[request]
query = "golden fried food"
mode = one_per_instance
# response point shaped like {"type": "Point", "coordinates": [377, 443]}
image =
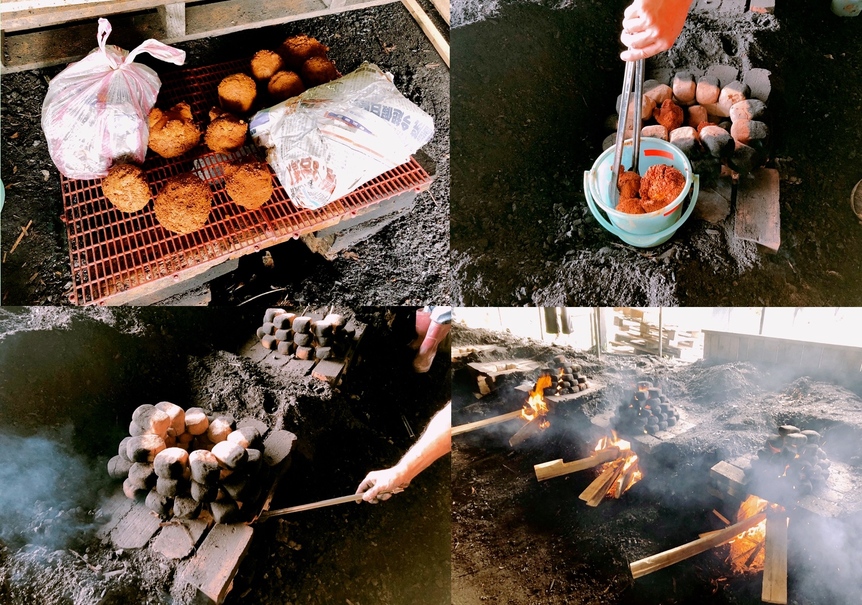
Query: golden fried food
{"type": "Point", "coordinates": [630, 205]}
{"type": "Point", "coordinates": [249, 184]}
{"type": "Point", "coordinates": [183, 204]}
{"type": "Point", "coordinates": [296, 50]}
{"type": "Point", "coordinates": [317, 71]}
{"type": "Point", "coordinates": [126, 187]}
{"type": "Point", "coordinates": [284, 85]}
{"type": "Point", "coordinates": [660, 185]}
{"type": "Point", "coordinates": [265, 63]}
{"type": "Point", "coordinates": [629, 184]}
{"type": "Point", "coordinates": [668, 115]}
{"type": "Point", "coordinates": [226, 132]}
{"type": "Point", "coordinates": [173, 132]}
{"type": "Point", "coordinates": [237, 93]}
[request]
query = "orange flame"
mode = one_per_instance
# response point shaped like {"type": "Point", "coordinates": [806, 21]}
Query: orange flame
{"type": "Point", "coordinates": [536, 405]}
{"type": "Point", "coordinates": [747, 551]}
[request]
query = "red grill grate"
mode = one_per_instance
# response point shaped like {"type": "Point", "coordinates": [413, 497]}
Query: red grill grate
{"type": "Point", "coordinates": [113, 253]}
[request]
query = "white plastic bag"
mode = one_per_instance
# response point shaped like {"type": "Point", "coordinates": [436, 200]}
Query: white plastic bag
{"type": "Point", "coordinates": [96, 109]}
{"type": "Point", "coordinates": [331, 139]}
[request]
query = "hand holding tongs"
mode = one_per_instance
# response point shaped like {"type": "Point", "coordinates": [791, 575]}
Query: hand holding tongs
{"type": "Point", "coordinates": [634, 72]}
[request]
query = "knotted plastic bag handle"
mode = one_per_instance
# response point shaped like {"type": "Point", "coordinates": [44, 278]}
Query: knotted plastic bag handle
{"type": "Point", "coordinates": [152, 47]}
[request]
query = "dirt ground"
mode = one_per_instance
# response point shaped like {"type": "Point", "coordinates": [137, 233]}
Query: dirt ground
{"type": "Point", "coordinates": [534, 83]}
{"type": "Point", "coordinates": [407, 262]}
{"type": "Point", "coordinates": [516, 541]}
{"type": "Point", "coordinates": [65, 407]}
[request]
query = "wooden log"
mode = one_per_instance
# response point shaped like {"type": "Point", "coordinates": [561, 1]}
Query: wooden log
{"type": "Point", "coordinates": [596, 490]}
{"type": "Point", "coordinates": [556, 468]}
{"type": "Point", "coordinates": [775, 560]}
{"type": "Point", "coordinates": [670, 557]}
{"type": "Point", "coordinates": [533, 427]}
{"type": "Point", "coordinates": [472, 426]}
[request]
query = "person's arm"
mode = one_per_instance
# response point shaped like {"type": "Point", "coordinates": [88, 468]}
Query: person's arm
{"type": "Point", "coordinates": [652, 26]}
{"type": "Point", "coordinates": [436, 441]}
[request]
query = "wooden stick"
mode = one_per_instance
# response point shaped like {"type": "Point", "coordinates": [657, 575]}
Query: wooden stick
{"type": "Point", "coordinates": [437, 40]}
{"type": "Point", "coordinates": [775, 561]}
{"type": "Point", "coordinates": [596, 490]}
{"type": "Point", "coordinates": [754, 552]}
{"type": "Point", "coordinates": [320, 504]}
{"type": "Point", "coordinates": [442, 7]}
{"type": "Point", "coordinates": [472, 426]}
{"type": "Point", "coordinates": [528, 430]}
{"type": "Point", "coordinates": [675, 555]}
{"type": "Point", "coordinates": [616, 470]}
{"type": "Point", "coordinates": [556, 468]}
{"type": "Point", "coordinates": [625, 480]}
{"type": "Point", "coordinates": [24, 231]}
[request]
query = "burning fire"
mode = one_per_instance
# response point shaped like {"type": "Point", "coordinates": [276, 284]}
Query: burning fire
{"type": "Point", "coordinates": [629, 472]}
{"type": "Point", "coordinates": [535, 406]}
{"type": "Point", "coordinates": [747, 549]}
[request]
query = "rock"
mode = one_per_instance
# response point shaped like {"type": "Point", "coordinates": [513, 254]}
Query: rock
{"type": "Point", "coordinates": [656, 131]}
{"type": "Point", "coordinates": [647, 107]}
{"type": "Point", "coordinates": [659, 94]}
{"type": "Point", "coordinates": [717, 140]}
{"type": "Point", "coordinates": [758, 80]}
{"type": "Point", "coordinates": [787, 429]}
{"type": "Point", "coordinates": [118, 467]}
{"type": "Point", "coordinates": [709, 169]}
{"type": "Point", "coordinates": [684, 88]}
{"type": "Point", "coordinates": [609, 141]}
{"type": "Point", "coordinates": [711, 207]}
{"type": "Point", "coordinates": [813, 437]}
{"type": "Point", "coordinates": [708, 89]}
{"type": "Point", "coordinates": [746, 131]}
{"type": "Point", "coordinates": [186, 508]}
{"type": "Point", "coordinates": [718, 110]}
{"type": "Point", "coordinates": [725, 73]}
{"type": "Point", "coordinates": [159, 504]}
{"type": "Point", "coordinates": [685, 138]}
{"type": "Point", "coordinates": [696, 115]}
{"type": "Point", "coordinates": [750, 109]}
{"type": "Point", "coordinates": [744, 158]}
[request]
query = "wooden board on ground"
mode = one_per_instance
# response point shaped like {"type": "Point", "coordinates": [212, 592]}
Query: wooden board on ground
{"type": "Point", "coordinates": [115, 508]}
{"type": "Point", "coordinates": [758, 214]}
{"type": "Point", "coordinates": [277, 446]}
{"type": "Point", "coordinates": [178, 538]}
{"type": "Point", "coordinates": [136, 528]}
{"type": "Point", "coordinates": [504, 367]}
{"type": "Point", "coordinates": [299, 367]}
{"type": "Point", "coordinates": [459, 352]}
{"type": "Point", "coordinates": [216, 562]}
{"type": "Point", "coordinates": [775, 560]}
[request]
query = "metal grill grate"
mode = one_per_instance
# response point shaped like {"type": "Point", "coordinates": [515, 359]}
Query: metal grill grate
{"type": "Point", "coordinates": [113, 253]}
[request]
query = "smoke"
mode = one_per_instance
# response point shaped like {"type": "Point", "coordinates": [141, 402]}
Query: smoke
{"type": "Point", "coordinates": [825, 559]}
{"type": "Point", "coordinates": [465, 12]}
{"type": "Point", "coordinates": [46, 492]}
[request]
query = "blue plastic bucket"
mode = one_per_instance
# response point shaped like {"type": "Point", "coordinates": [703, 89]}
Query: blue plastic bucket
{"type": "Point", "coordinates": [652, 152]}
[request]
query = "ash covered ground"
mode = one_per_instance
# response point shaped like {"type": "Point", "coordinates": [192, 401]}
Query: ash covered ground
{"type": "Point", "coordinates": [517, 541]}
{"type": "Point", "coordinates": [534, 83]}
{"type": "Point", "coordinates": [408, 261]}
{"type": "Point", "coordinates": [70, 379]}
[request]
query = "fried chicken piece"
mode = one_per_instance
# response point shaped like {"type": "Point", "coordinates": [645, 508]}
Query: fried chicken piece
{"type": "Point", "coordinates": [183, 204]}
{"type": "Point", "coordinates": [660, 185]}
{"type": "Point", "coordinates": [265, 63]}
{"type": "Point", "coordinates": [296, 50]}
{"type": "Point", "coordinates": [173, 132]}
{"type": "Point", "coordinates": [630, 205]}
{"type": "Point", "coordinates": [629, 184]}
{"type": "Point", "coordinates": [226, 132]}
{"type": "Point", "coordinates": [249, 184]}
{"type": "Point", "coordinates": [668, 115]}
{"type": "Point", "coordinates": [126, 187]}
{"type": "Point", "coordinates": [317, 71]}
{"type": "Point", "coordinates": [284, 85]}
{"type": "Point", "coordinates": [237, 93]}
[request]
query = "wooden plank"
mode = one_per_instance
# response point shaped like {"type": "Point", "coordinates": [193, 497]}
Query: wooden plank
{"type": "Point", "coordinates": [178, 538]}
{"type": "Point", "coordinates": [55, 12]}
{"type": "Point", "coordinates": [299, 367]}
{"type": "Point", "coordinates": [136, 528]}
{"type": "Point", "coordinates": [115, 508]}
{"type": "Point", "coordinates": [775, 561]}
{"type": "Point", "coordinates": [328, 371]}
{"type": "Point", "coordinates": [758, 214]}
{"type": "Point", "coordinates": [724, 471]}
{"type": "Point", "coordinates": [472, 426]}
{"type": "Point", "coordinates": [173, 20]}
{"type": "Point", "coordinates": [441, 45]}
{"type": "Point", "coordinates": [557, 468]}
{"type": "Point", "coordinates": [216, 562]}
{"type": "Point", "coordinates": [277, 446]}
{"type": "Point", "coordinates": [442, 7]}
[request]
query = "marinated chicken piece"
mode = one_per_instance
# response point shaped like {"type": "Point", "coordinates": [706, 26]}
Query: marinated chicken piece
{"type": "Point", "coordinates": [317, 71]}
{"type": "Point", "coordinates": [126, 187]}
{"type": "Point", "coordinates": [630, 205]}
{"type": "Point", "coordinates": [296, 50]}
{"type": "Point", "coordinates": [668, 115]}
{"type": "Point", "coordinates": [660, 185]}
{"type": "Point", "coordinates": [226, 132]}
{"type": "Point", "coordinates": [173, 132]}
{"type": "Point", "coordinates": [237, 93]}
{"type": "Point", "coordinates": [629, 184]}
{"type": "Point", "coordinates": [265, 63]}
{"type": "Point", "coordinates": [183, 204]}
{"type": "Point", "coordinates": [284, 85]}
{"type": "Point", "coordinates": [249, 184]}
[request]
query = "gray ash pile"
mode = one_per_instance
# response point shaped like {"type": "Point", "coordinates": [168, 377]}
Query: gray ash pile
{"type": "Point", "coordinates": [792, 464]}
{"type": "Point", "coordinates": [566, 377]}
{"type": "Point", "coordinates": [648, 410]}
{"type": "Point", "coordinates": [181, 462]}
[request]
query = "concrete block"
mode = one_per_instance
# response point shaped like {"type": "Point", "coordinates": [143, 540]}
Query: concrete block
{"type": "Point", "coordinates": [758, 213]}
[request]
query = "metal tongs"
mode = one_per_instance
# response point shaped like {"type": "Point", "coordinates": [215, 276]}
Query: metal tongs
{"type": "Point", "coordinates": [634, 72]}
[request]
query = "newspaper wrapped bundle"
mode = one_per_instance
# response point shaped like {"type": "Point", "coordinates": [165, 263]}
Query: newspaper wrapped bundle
{"type": "Point", "coordinates": [333, 138]}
